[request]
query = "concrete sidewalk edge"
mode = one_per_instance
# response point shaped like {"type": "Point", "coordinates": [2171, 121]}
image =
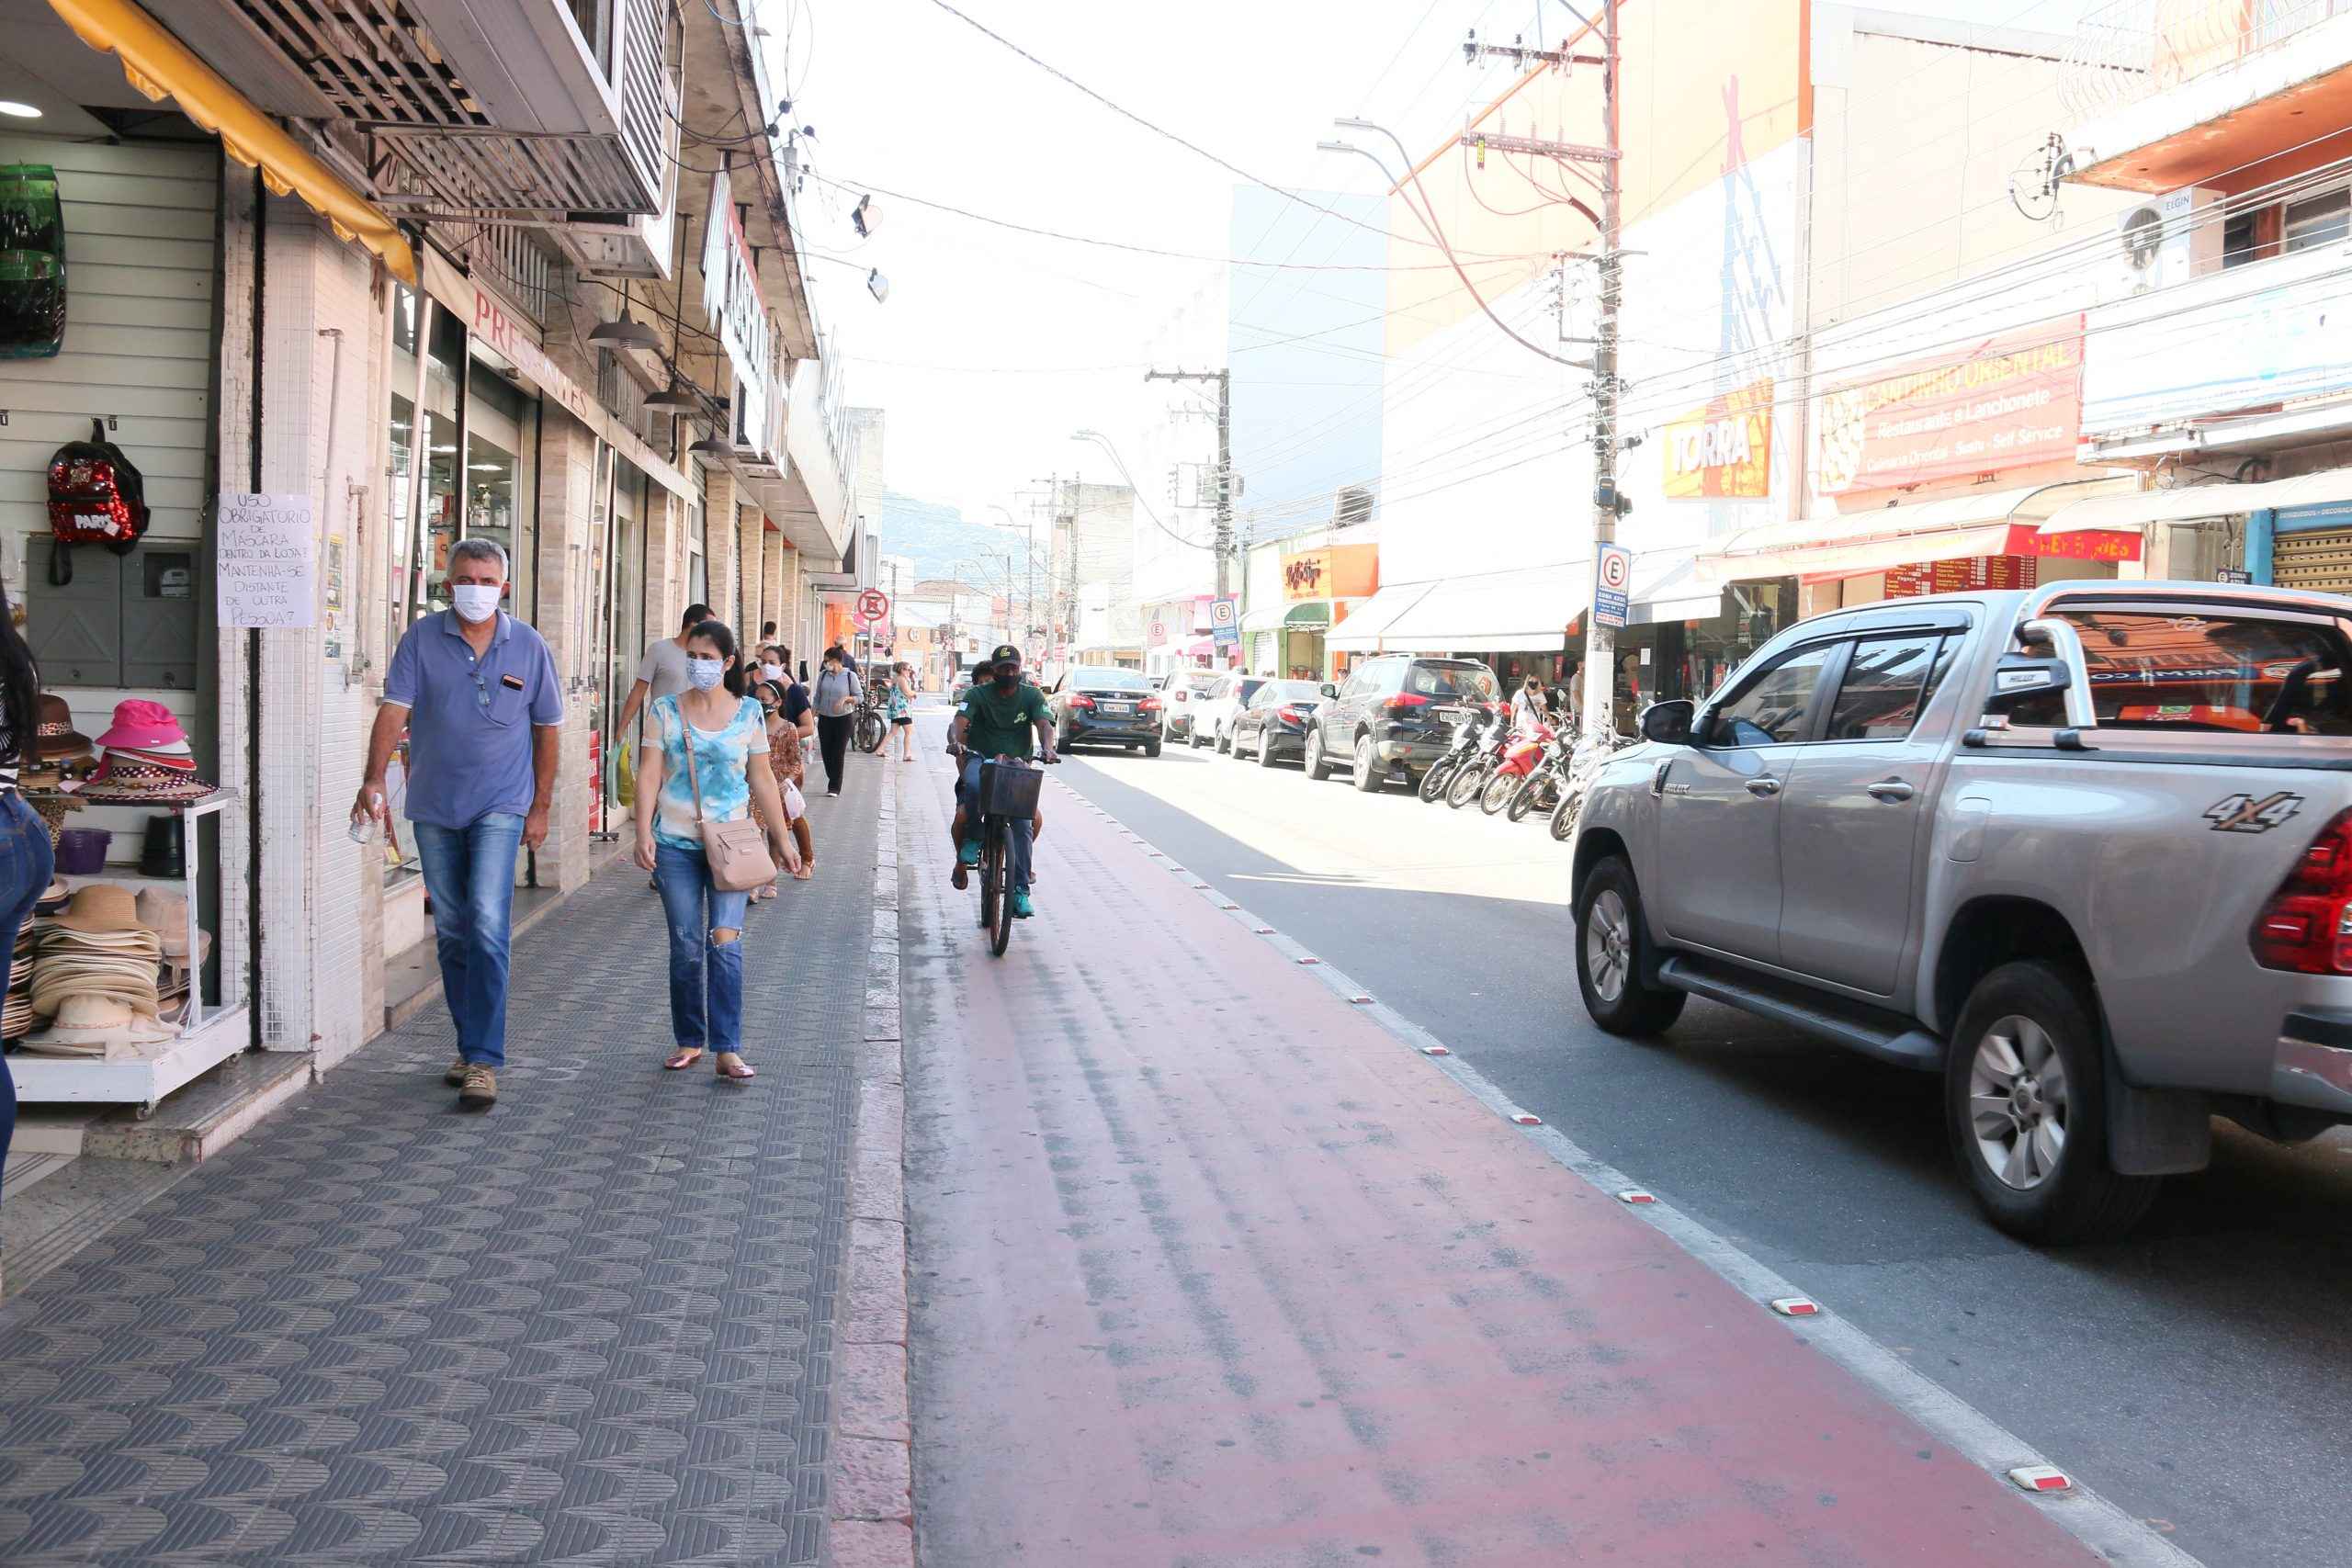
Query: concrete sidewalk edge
{"type": "Point", "coordinates": [869, 1466]}
{"type": "Point", "coordinates": [2114, 1535]}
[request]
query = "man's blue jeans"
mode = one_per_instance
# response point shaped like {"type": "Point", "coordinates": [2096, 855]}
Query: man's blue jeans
{"type": "Point", "coordinates": [967, 795]}
{"type": "Point", "coordinates": [706, 976]}
{"type": "Point", "coordinates": [470, 876]}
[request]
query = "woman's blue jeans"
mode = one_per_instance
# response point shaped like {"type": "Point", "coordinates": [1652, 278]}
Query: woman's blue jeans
{"type": "Point", "coordinates": [706, 976]}
{"type": "Point", "coordinates": [26, 863]}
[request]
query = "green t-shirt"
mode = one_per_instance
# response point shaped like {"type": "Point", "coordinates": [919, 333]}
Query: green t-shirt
{"type": "Point", "coordinates": [998, 724]}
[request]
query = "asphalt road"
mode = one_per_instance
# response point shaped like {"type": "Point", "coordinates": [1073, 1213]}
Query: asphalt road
{"type": "Point", "coordinates": [2198, 1375]}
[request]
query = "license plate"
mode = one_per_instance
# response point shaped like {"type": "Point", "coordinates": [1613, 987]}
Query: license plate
{"type": "Point", "coordinates": [1453, 715]}
{"type": "Point", "coordinates": [1118, 707]}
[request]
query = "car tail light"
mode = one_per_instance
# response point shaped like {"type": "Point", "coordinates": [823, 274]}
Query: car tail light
{"type": "Point", "coordinates": [1404, 700]}
{"type": "Point", "coordinates": [1080, 700]}
{"type": "Point", "coordinates": [2307, 924]}
{"type": "Point", "coordinates": [1149, 704]}
{"type": "Point", "coordinates": [1291, 716]}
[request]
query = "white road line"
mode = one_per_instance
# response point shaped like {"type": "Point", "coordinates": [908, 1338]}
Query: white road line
{"type": "Point", "coordinates": [2116, 1536]}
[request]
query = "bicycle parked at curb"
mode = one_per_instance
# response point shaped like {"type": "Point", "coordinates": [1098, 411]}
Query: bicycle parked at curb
{"type": "Point", "coordinates": [870, 728]}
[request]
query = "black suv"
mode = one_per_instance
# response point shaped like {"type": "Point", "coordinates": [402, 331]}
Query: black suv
{"type": "Point", "coordinates": [1394, 715]}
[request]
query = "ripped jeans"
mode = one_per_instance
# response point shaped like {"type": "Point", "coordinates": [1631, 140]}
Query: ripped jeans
{"type": "Point", "coordinates": [705, 975]}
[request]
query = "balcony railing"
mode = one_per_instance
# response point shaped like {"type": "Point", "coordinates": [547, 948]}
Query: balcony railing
{"type": "Point", "coordinates": [2129, 51]}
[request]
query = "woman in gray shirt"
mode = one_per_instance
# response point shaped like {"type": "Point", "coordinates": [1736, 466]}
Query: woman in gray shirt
{"type": "Point", "coordinates": [838, 690]}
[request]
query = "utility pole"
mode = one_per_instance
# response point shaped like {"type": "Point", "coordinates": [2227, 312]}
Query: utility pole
{"type": "Point", "coordinates": [1224, 379]}
{"type": "Point", "coordinates": [1600, 641]}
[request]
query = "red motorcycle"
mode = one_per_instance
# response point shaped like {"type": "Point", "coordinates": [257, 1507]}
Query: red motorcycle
{"type": "Point", "coordinates": [1522, 754]}
{"type": "Point", "coordinates": [1472, 775]}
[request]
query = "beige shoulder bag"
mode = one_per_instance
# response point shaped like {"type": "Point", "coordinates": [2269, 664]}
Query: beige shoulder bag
{"type": "Point", "coordinates": [737, 850]}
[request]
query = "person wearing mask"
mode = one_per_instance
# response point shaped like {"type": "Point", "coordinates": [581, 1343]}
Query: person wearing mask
{"type": "Point", "coordinates": [476, 690]}
{"type": "Point", "coordinates": [787, 728]}
{"type": "Point", "coordinates": [997, 720]}
{"type": "Point", "coordinates": [774, 659]}
{"type": "Point", "coordinates": [837, 694]}
{"type": "Point", "coordinates": [709, 765]}
{"type": "Point", "coordinates": [27, 860]}
{"type": "Point", "coordinates": [901, 702]}
{"type": "Point", "coordinates": [1528, 713]}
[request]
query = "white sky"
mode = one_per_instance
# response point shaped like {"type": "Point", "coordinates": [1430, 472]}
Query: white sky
{"type": "Point", "coordinates": [994, 346]}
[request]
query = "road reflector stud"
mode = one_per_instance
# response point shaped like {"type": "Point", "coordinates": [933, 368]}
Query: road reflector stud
{"type": "Point", "coordinates": [1361, 1000]}
{"type": "Point", "coordinates": [1200, 886]}
{"type": "Point", "coordinates": [1636, 1195]}
{"type": "Point", "coordinates": [1797, 1306]}
{"type": "Point", "coordinates": [2042, 1478]}
{"type": "Point", "coordinates": [1263, 930]}
{"type": "Point", "coordinates": [1228, 905]}
{"type": "Point", "coordinates": [1527, 1118]}
{"type": "Point", "coordinates": [1310, 958]}
{"type": "Point", "coordinates": [1436, 1051]}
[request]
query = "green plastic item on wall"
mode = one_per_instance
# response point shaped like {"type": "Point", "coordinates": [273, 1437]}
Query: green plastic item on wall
{"type": "Point", "coordinates": [32, 263]}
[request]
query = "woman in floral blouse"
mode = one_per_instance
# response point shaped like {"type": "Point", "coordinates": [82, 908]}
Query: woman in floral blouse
{"type": "Point", "coordinates": [788, 724]}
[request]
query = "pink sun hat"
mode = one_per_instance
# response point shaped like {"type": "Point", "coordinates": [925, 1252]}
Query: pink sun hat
{"type": "Point", "coordinates": [139, 725]}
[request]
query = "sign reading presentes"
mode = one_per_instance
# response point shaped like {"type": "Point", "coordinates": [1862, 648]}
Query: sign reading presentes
{"type": "Point", "coordinates": [733, 306]}
{"type": "Point", "coordinates": [266, 559]}
{"type": "Point", "coordinates": [1724, 449]}
{"type": "Point", "coordinates": [2016, 399]}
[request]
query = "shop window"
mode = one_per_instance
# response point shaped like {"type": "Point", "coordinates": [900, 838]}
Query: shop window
{"type": "Point", "coordinates": [404, 318]}
{"type": "Point", "coordinates": [1888, 682]}
{"type": "Point", "coordinates": [2318, 219]}
{"type": "Point", "coordinates": [493, 486]}
{"type": "Point", "coordinates": [1772, 711]}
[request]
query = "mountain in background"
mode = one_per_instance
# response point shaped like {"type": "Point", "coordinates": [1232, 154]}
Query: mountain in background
{"type": "Point", "coordinates": [942, 543]}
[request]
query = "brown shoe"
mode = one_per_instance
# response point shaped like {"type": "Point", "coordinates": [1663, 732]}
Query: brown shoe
{"type": "Point", "coordinates": [480, 1090]}
{"type": "Point", "coordinates": [455, 1077]}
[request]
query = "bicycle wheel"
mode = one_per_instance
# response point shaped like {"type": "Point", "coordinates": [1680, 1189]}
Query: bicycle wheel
{"type": "Point", "coordinates": [997, 855]}
{"type": "Point", "coordinates": [870, 731]}
{"type": "Point", "coordinates": [991, 866]}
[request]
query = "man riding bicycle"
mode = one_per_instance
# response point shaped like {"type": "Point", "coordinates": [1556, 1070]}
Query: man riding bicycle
{"type": "Point", "coordinates": [997, 719]}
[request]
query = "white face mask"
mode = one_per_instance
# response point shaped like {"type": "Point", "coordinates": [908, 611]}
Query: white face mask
{"type": "Point", "coordinates": [704, 673]}
{"type": "Point", "coordinates": [476, 601]}
{"type": "Point", "coordinates": [773, 671]}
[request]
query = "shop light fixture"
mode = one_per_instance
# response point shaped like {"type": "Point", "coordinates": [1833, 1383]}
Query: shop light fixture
{"type": "Point", "coordinates": [16, 111]}
{"type": "Point", "coordinates": [624, 334]}
{"type": "Point", "coordinates": [672, 397]}
{"type": "Point", "coordinates": [713, 447]}
{"type": "Point", "coordinates": [878, 285]}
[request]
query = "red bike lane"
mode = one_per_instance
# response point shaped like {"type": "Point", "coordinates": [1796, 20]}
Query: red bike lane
{"type": "Point", "coordinates": [1209, 1268]}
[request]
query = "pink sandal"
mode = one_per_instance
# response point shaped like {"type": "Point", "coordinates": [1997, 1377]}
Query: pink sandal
{"type": "Point", "coordinates": [682, 1059]}
{"type": "Point", "coordinates": [740, 1072]}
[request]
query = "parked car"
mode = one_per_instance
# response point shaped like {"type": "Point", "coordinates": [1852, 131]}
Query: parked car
{"type": "Point", "coordinates": [1183, 690]}
{"type": "Point", "coordinates": [1096, 704]}
{"type": "Point", "coordinates": [1394, 715]}
{"type": "Point", "coordinates": [1272, 727]}
{"type": "Point", "coordinates": [2083, 850]}
{"type": "Point", "coordinates": [1214, 709]}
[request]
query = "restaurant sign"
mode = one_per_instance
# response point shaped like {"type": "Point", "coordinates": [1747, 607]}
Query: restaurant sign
{"type": "Point", "coordinates": [2016, 399]}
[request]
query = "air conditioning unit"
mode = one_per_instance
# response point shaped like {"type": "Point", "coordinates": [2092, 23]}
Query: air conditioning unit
{"type": "Point", "coordinates": [2169, 239]}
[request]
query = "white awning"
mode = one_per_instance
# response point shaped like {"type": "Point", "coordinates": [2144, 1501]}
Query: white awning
{"type": "Point", "coordinates": [2328, 487]}
{"type": "Point", "coordinates": [1360, 632]}
{"type": "Point", "coordinates": [1495, 612]}
{"type": "Point", "coordinates": [1852, 544]}
{"type": "Point", "coordinates": [1261, 620]}
{"type": "Point", "coordinates": [1667, 586]}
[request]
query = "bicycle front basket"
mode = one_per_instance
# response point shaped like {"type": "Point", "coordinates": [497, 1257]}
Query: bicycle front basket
{"type": "Point", "coordinates": [1008, 790]}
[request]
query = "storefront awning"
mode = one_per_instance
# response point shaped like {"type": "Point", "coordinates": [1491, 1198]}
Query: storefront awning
{"type": "Point", "coordinates": [1313, 612]}
{"type": "Point", "coordinates": [1500, 611]}
{"type": "Point", "coordinates": [1854, 544]}
{"type": "Point", "coordinates": [2329, 487]}
{"type": "Point", "coordinates": [160, 66]}
{"type": "Point", "coordinates": [1362, 631]}
{"type": "Point", "coordinates": [1667, 587]}
{"type": "Point", "coordinates": [1261, 620]}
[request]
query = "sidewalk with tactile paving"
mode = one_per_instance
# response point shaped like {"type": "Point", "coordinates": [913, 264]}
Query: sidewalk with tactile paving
{"type": "Point", "coordinates": [592, 1326]}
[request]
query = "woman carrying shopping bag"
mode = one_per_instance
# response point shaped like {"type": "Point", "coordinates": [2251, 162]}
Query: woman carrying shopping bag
{"type": "Point", "coordinates": [788, 724]}
{"type": "Point", "coordinates": [696, 834]}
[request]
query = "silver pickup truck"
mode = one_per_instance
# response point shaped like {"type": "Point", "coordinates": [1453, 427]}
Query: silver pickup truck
{"type": "Point", "coordinates": [2085, 851]}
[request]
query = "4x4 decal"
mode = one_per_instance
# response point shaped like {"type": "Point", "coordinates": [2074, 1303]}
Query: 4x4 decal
{"type": "Point", "coordinates": [2246, 814]}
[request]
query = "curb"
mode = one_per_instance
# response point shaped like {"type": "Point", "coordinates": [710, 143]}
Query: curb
{"type": "Point", "coordinates": [2111, 1534]}
{"type": "Point", "coordinates": [869, 1459]}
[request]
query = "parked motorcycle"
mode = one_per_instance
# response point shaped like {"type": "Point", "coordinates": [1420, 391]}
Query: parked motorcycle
{"type": "Point", "coordinates": [1471, 777]}
{"type": "Point", "coordinates": [1466, 746]}
{"type": "Point", "coordinates": [1522, 757]}
{"type": "Point", "coordinates": [1583, 767]}
{"type": "Point", "coordinates": [1540, 790]}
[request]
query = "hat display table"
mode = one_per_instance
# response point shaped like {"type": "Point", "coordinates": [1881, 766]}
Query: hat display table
{"type": "Point", "coordinates": [142, 1074]}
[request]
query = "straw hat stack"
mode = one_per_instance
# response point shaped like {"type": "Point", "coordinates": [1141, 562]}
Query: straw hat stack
{"type": "Point", "coordinates": [165, 914]}
{"type": "Point", "coordinates": [16, 1012]}
{"type": "Point", "coordinates": [95, 975]}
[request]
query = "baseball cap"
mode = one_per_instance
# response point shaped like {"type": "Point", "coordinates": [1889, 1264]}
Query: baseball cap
{"type": "Point", "coordinates": [1005, 650]}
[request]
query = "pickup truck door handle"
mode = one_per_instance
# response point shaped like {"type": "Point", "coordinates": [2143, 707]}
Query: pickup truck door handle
{"type": "Point", "coordinates": [1764, 787]}
{"type": "Point", "coordinates": [1889, 790]}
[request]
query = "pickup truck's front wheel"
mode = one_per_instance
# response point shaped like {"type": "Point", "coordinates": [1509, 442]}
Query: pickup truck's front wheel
{"type": "Point", "coordinates": [1610, 947]}
{"type": "Point", "coordinates": [2024, 1099]}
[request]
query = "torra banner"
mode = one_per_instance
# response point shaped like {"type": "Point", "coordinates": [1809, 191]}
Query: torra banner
{"type": "Point", "coordinates": [1722, 450]}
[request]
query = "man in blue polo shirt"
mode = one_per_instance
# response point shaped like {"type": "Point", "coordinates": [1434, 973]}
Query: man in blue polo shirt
{"type": "Point", "coordinates": [476, 690]}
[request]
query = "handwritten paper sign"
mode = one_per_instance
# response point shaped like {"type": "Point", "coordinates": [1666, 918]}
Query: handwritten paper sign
{"type": "Point", "coordinates": [267, 557]}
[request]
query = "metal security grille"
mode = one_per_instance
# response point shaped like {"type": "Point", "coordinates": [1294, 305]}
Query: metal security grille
{"type": "Point", "coordinates": [379, 65]}
{"type": "Point", "coordinates": [2320, 560]}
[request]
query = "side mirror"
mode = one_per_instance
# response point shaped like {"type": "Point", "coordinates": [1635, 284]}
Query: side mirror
{"type": "Point", "coordinates": [2021, 677]}
{"type": "Point", "coordinates": [1669, 722]}
{"type": "Point", "coordinates": [1328, 689]}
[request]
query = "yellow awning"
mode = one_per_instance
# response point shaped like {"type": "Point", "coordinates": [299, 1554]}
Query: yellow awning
{"type": "Point", "coordinates": [161, 66]}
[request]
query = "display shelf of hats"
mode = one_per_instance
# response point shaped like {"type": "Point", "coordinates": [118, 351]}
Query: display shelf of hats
{"type": "Point", "coordinates": [106, 999]}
